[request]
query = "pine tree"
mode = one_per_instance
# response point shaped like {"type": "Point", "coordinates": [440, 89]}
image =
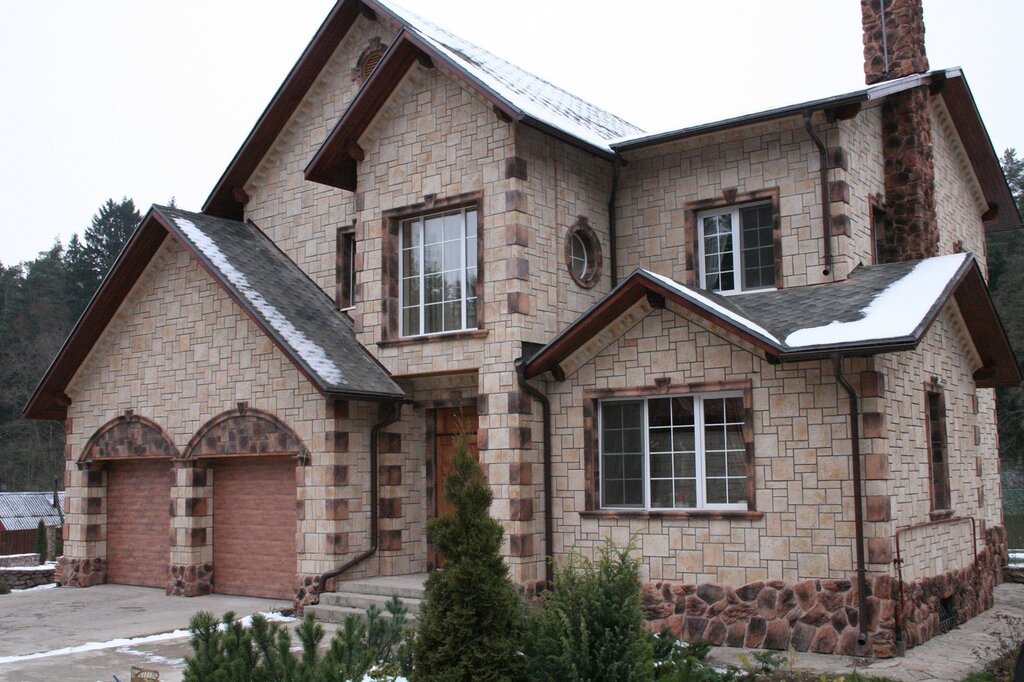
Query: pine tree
{"type": "Point", "coordinates": [42, 547]}
{"type": "Point", "coordinates": [109, 232]}
{"type": "Point", "coordinates": [471, 618]}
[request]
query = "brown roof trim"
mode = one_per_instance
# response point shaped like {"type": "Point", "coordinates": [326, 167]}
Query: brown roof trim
{"type": "Point", "coordinates": [636, 286]}
{"type": "Point", "coordinates": [999, 363]}
{"type": "Point", "coordinates": [48, 401]}
{"type": "Point", "coordinates": [222, 201]}
{"type": "Point", "coordinates": [956, 94]}
{"type": "Point", "coordinates": [334, 163]}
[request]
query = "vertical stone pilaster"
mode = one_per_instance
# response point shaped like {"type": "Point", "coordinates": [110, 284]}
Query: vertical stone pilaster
{"type": "Point", "coordinates": [191, 560]}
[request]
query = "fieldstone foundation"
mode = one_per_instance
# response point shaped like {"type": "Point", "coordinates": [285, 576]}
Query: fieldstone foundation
{"type": "Point", "coordinates": [24, 577]}
{"type": "Point", "coordinates": [73, 572]}
{"type": "Point", "coordinates": [190, 580]}
{"type": "Point", "coordinates": [307, 593]}
{"type": "Point", "coordinates": [822, 616]}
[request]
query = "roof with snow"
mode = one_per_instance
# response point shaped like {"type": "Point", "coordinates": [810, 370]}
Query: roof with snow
{"type": "Point", "coordinates": [879, 308]}
{"type": "Point", "coordinates": [273, 291]}
{"type": "Point", "coordinates": [532, 95]}
{"type": "Point", "coordinates": [22, 511]}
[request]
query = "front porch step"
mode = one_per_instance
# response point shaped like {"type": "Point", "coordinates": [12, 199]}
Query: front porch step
{"type": "Point", "coordinates": [353, 597]}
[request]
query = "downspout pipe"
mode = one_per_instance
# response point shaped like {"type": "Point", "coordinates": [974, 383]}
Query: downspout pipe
{"type": "Point", "coordinates": [389, 414]}
{"type": "Point", "coordinates": [613, 246]}
{"type": "Point", "coordinates": [826, 206]}
{"type": "Point", "coordinates": [858, 515]}
{"type": "Point", "coordinates": [545, 404]}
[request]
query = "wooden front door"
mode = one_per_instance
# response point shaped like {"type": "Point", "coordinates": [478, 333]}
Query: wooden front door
{"type": "Point", "coordinates": [449, 424]}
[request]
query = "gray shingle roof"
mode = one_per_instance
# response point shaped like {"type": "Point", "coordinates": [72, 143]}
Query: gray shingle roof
{"type": "Point", "coordinates": [290, 307]}
{"type": "Point", "coordinates": [528, 93]}
{"type": "Point", "coordinates": [22, 511]}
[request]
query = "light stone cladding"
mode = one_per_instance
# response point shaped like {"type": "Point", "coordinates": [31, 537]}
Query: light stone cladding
{"type": "Point", "coordinates": [861, 139]}
{"type": "Point", "coordinates": [801, 455]}
{"type": "Point", "coordinates": [658, 183]}
{"type": "Point", "coordinates": [947, 355]}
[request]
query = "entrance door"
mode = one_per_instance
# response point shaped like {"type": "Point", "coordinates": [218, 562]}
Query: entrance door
{"type": "Point", "coordinates": [449, 424]}
{"type": "Point", "coordinates": [138, 522]}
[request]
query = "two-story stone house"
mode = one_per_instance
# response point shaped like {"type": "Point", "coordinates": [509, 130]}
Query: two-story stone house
{"type": "Point", "coordinates": [762, 348]}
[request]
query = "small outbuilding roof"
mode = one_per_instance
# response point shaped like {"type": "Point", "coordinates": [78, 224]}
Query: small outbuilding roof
{"type": "Point", "coordinates": [22, 511]}
{"type": "Point", "coordinates": [879, 308]}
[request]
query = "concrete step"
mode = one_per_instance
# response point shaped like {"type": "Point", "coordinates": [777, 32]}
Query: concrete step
{"type": "Point", "coordinates": [401, 586]}
{"type": "Point", "coordinates": [336, 614]}
{"type": "Point", "coordinates": [363, 601]}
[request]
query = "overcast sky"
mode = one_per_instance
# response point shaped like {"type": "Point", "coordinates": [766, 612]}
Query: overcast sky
{"type": "Point", "coordinates": [151, 98]}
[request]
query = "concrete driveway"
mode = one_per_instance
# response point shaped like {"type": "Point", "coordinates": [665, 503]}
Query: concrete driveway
{"type": "Point", "coordinates": [99, 632]}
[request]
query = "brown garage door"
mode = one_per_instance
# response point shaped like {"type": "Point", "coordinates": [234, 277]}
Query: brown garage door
{"type": "Point", "coordinates": [138, 522]}
{"type": "Point", "coordinates": [254, 526]}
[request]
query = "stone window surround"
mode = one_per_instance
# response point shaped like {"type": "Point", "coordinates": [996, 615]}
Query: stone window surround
{"type": "Point", "coordinates": [392, 220]}
{"type": "Point", "coordinates": [592, 399]}
{"type": "Point", "coordinates": [933, 387]}
{"type": "Point", "coordinates": [581, 229]}
{"type": "Point", "coordinates": [730, 198]}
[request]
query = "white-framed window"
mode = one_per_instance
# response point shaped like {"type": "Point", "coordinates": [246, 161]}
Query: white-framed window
{"type": "Point", "coordinates": [578, 261]}
{"type": "Point", "coordinates": [678, 452]}
{"type": "Point", "coordinates": [438, 273]}
{"type": "Point", "coordinates": [736, 248]}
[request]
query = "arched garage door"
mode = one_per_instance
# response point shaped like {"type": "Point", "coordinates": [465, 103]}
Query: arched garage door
{"type": "Point", "coordinates": [254, 525]}
{"type": "Point", "coordinates": [138, 521]}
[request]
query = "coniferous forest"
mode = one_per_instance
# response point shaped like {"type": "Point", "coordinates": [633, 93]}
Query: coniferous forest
{"type": "Point", "coordinates": [40, 301]}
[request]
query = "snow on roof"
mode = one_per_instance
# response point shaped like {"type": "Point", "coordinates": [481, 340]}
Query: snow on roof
{"type": "Point", "coordinates": [529, 93]}
{"type": "Point", "coordinates": [897, 311]}
{"type": "Point", "coordinates": [705, 302]}
{"type": "Point", "coordinates": [314, 355]}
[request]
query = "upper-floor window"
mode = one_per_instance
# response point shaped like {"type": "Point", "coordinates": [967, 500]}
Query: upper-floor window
{"type": "Point", "coordinates": [683, 452]}
{"type": "Point", "coordinates": [438, 272]}
{"type": "Point", "coordinates": [583, 253]}
{"type": "Point", "coordinates": [935, 405]}
{"type": "Point", "coordinates": [736, 248]}
{"type": "Point", "coordinates": [345, 268]}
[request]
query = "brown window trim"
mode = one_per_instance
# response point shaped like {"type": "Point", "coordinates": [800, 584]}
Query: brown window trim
{"type": "Point", "coordinates": [730, 198]}
{"type": "Point", "coordinates": [392, 219]}
{"type": "Point", "coordinates": [593, 246]}
{"type": "Point", "coordinates": [945, 506]}
{"type": "Point", "coordinates": [429, 338]}
{"type": "Point", "coordinates": [345, 269]}
{"type": "Point", "coordinates": [592, 448]}
{"type": "Point", "coordinates": [715, 514]}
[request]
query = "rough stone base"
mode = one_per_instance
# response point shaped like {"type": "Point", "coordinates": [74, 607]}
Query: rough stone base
{"type": "Point", "coordinates": [814, 615]}
{"type": "Point", "coordinates": [190, 580]}
{"type": "Point", "coordinates": [22, 578]}
{"type": "Point", "coordinates": [969, 591]}
{"type": "Point", "coordinates": [307, 593]}
{"type": "Point", "coordinates": [30, 559]}
{"type": "Point", "coordinates": [73, 572]}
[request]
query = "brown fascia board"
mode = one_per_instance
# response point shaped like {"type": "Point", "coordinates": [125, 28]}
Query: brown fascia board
{"type": "Point", "coordinates": [334, 164]}
{"type": "Point", "coordinates": [48, 400]}
{"type": "Point", "coordinates": [999, 363]}
{"type": "Point", "coordinates": [286, 100]}
{"type": "Point", "coordinates": [956, 94]}
{"type": "Point", "coordinates": [635, 287]}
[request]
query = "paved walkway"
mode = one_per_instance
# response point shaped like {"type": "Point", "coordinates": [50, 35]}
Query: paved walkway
{"type": "Point", "coordinates": [947, 658]}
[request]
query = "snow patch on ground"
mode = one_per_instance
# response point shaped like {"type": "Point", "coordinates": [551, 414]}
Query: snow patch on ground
{"type": "Point", "coordinates": [897, 311]}
{"type": "Point", "coordinates": [744, 322]}
{"type": "Point", "coordinates": [128, 642]}
{"type": "Point", "coordinates": [151, 657]}
{"type": "Point", "coordinates": [310, 352]}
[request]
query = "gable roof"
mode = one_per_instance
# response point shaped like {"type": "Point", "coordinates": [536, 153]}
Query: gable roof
{"type": "Point", "coordinates": [956, 94]}
{"type": "Point", "coordinates": [879, 308]}
{"type": "Point", "coordinates": [273, 291]}
{"type": "Point", "coordinates": [513, 92]}
{"type": "Point", "coordinates": [22, 511]}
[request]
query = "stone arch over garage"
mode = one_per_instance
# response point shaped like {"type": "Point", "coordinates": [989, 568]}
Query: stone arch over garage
{"type": "Point", "coordinates": [240, 470]}
{"type": "Point", "coordinates": [129, 436]}
{"type": "Point", "coordinates": [130, 457]}
{"type": "Point", "coordinates": [245, 431]}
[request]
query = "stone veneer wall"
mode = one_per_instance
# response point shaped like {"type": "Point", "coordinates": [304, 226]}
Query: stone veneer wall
{"type": "Point", "coordinates": [658, 182]}
{"type": "Point", "coordinates": [822, 616]}
{"type": "Point", "coordinates": [23, 577]}
{"type": "Point", "coordinates": [803, 528]}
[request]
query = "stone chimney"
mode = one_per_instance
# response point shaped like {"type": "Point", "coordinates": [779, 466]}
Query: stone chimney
{"type": "Point", "coordinates": [894, 48]}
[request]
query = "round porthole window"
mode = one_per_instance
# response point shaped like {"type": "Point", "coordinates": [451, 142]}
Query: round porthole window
{"type": "Point", "coordinates": [583, 253]}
